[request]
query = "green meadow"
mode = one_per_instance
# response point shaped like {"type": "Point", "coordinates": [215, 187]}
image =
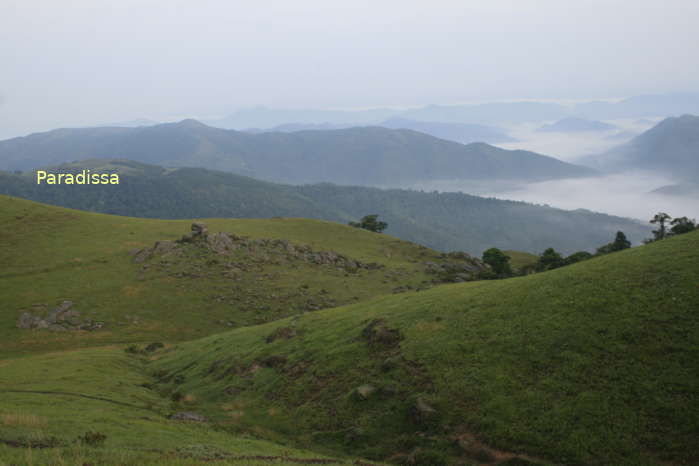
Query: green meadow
{"type": "Point", "coordinates": [287, 362]}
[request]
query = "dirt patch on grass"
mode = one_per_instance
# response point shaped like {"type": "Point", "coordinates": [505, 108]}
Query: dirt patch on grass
{"type": "Point", "coordinates": [477, 450]}
{"type": "Point", "coordinates": [23, 420]}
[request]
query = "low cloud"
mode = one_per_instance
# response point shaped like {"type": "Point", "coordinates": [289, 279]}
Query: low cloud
{"type": "Point", "coordinates": [626, 195]}
{"type": "Point", "coordinates": [623, 195]}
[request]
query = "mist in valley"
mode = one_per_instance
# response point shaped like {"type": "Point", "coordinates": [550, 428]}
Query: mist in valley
{"type": "Point", "coordinates": [626, 195]}
{"type": "Point", "coordinates": [570, 146]}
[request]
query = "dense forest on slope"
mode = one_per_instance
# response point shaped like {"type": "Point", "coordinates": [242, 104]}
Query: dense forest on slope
{"type": "Point", "coordinates": [444, 221]}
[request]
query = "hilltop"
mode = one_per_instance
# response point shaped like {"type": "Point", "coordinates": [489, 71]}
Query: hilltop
{"type": "Point", "coordinates": [131, 274]}
{"type": "Point", "coordinates": [669, 148]}
{"type": "Point", "coordinates": [443, 221]}
{"type": "Point", "coordinates": [573, 124]}
{"type": "Point", "coordinates": [367, 156]}
{"type": "Point", "coordinates": [464, 133]}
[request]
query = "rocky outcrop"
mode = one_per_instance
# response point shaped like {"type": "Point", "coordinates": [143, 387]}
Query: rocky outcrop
{"type": "Point", "coordinates": [199, 232]}
{"type": "Point", "coordinates": [458, 266]}
{"type": "Point", "coordinates": [59, 319]}
{"type": "Point", "coordinates": [188, 416]}
{"type": "Point", "coordinates": [263, 250]}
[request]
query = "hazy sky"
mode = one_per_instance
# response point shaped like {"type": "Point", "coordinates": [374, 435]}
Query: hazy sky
{"type": "Point", "coordinates": [72, 62]}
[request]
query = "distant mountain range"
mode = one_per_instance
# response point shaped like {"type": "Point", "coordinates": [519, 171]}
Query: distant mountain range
{"type": "Point", "coordinates": [446, 221]}
{"type": "Point", "coordinates": [575, 125]}
{"type": "Point", "coordinates": [494, 113]}
{"type": "Point", "coordinates": [669, 148]}
{"type": "Point", "coordinates": [263, 117]}
{"type": "Point", "coordinates": [653, 105]}
{"type": "Point", "coordinates": [464, 133]}
{"type": "Point", "coordinates": [681, 190]}
{"type": "Point", "coordinates": [368, 156]}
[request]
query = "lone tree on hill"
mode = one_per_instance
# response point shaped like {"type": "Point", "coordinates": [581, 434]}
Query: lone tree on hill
{"type": "Point", "coordinates": [620, 242]}
{"type": "Point", "coordinates": [498, 261]}
{"type": "Point", "coordinates": [370, 222]}
{"type": "Point", "coordinates": [660, 218]}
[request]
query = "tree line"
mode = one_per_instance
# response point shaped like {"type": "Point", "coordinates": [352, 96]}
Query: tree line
{"type": "Point", "coordinates": [499, 262]}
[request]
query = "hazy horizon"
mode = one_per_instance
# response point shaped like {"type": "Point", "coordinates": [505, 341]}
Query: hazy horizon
{"type": "Point", "coordinates": [107, 62]}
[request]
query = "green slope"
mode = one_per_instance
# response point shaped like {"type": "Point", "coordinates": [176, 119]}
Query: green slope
{"type": "Point", "coordinates": [53, 254]}
{"type": "Point", "coordinates": [444, 221]}
{"type": "Point", "coordinates": [596, 363]}
{"type": "Point", "coordinates": [48, 402]}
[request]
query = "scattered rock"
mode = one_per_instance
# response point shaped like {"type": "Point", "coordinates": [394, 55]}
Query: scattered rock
{"type": "Point", "coordinates": [221, 243]}
{"type": "Point", "coordinates": [377, 333]}
{"type": "Point", "coordinates": [59, 319]}
{"type": "Point", "coordinates": [364, 392]}
{"type": "Point", "coordinates": [467, 269]}
{"type": "Point", "coordinates": [231, 390]}
{"type": "Point", "coordinates": [389, 364]}
{"type": "Point", "coordinates": [199, 232]}
{"type": "Point", "coordinates": [274, 361]}
{"type": "Point", "coordinates": [281, 332]}
{"type": "Point", "coordinates": [26, 320]}
{"type": "Point", "coordinates": [188, 416]}
{"type": "Point", "coordinates": [422, 413]}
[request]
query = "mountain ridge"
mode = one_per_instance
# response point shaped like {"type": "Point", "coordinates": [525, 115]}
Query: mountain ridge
{"type": "Point", "coordinates": [370, 156]}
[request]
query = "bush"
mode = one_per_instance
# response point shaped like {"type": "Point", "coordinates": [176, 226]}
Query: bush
{"type": "Point", "coordinates": [370, 222]}
{"type": "Point", "coordinates": [133, 349]}
{"type": "Point", "coordinates": [154, 346]}
{"type": "Point", "coordinates": [93, 439]}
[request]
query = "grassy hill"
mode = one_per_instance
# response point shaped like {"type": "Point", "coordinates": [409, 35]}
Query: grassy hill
{"type": "Point", "coordinates": [368, 156]}
{"type": "Point", "coordinates": [594, 363]}
{"type": "Point", "coordinates": [89, 259]}
{"type": "Point", "coordinates": [444, 221]}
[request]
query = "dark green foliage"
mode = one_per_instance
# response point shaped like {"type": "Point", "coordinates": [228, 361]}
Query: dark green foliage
{"type": "Point", "coordinates": [370, 222]}
{"type": "Point", "coordinates": [577, 257]}
{"type": "Point", "coordinates": [498, 261]}
{"type": "Point", "coordinates": [681, 225]}
{"type": "Point", "coordinates": [93, 439]}
{"type": "Point", "coordinates": [154, 346]}
{"type": "Point", "coordinates": [620, 243]}
{"type": "Point", "coordinates": [133, 349]}
{"type": "Point", "coordinates": [661, 219]}
{"type": "Point", "coordinates": [549, 259]}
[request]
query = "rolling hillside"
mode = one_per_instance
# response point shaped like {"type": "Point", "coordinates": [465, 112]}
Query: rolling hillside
{"type": "Point", "coordinates": [265, 269]}
{"type": "Point", "coordinates": [368, 156]}
{"type": "Point", "coordinates": [444, 221]}
{"type": "Point", "coordinates": [594, 363]}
